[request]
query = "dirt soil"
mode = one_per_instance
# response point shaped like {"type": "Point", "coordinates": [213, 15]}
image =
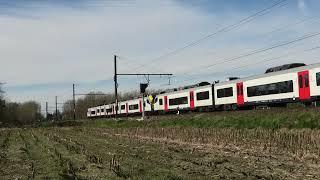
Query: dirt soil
{"type": "Point", "coordinates": [79, 153]}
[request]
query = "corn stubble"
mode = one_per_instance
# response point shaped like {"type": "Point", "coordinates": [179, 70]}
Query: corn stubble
{"type": "Point", "coordinates": [159, 153]}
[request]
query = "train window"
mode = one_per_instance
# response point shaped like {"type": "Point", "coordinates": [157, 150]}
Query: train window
{"type": "Point", "coordinates": [178, 101]}
{"type": "Point", "coordinates": [306, 80]}
{"type": "Point", "coordinates": [93, 112]}
{"type": "Point", "coordinates": [318, 78]}
{"type": "Point", "coordinates": [98, 111]}
{"type": "Point", "coordinates": [300, 81]}
{"type": "Point", "coordinates": [160, 102]}
{"type": "Point", "coordinates": [109, 110]}
{"type": "Point", "coordinates": [123, 107]}
{"type": "Point", "coordinates": [133, 107]}
{"type": "Point", "coordinates": [202, 95]}
{"type": "Point", "coordinates": [273, 88]}
{"type": "Point", "coordinates": [226, 92]}
{"type": "Point", "coordinates": [102, 110]}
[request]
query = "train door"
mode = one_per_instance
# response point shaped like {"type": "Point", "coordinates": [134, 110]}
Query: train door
{"type": "Point", "coordinates": [240, 97]}
{"type": "Point", "coordinates": [140, 105]}
{"type": "Point", "coordinates": [191, 100]}
{"type": "Point", "coordinates": [304, 85]}
{"type": "Point", "coordinates": [165, 103]}
{"type": "Point", "coordinates": [127, 109]}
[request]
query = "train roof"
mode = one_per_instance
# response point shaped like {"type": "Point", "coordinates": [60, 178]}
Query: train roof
{"type": "Point", "coordinates": [271, 74]}
{"type": "Point", "coordinates": [284, 67]}
{"type": "Point", "coordinates": [201, 84]}
{"type": "Point", "coordinates": [184, 90]}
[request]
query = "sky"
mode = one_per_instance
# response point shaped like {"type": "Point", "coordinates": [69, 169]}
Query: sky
{"type": "Point", "coordinates": [47, 45]}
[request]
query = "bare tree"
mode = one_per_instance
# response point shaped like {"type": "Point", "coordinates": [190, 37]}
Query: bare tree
{"type": "Point", "coordinates": [67, 110]}
{"type": "Point", "coordinates": [28, 112]}
{"type": "Point", "coordinates": [2, 104]}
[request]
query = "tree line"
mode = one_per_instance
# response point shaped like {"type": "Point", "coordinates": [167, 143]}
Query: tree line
{"type": "Point", "coordinates": [12, 113]}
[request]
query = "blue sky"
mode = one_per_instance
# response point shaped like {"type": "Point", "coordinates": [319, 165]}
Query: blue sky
{"type": "Point", "coordinates": [48, 45]}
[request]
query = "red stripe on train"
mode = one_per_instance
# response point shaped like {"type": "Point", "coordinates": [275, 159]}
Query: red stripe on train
{"type": "Point", "coordinates": [191, 100]}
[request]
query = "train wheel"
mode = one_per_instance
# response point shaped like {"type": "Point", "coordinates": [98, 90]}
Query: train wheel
{"type": "Point", "coordinates": [234, 107]}
{"type": "Point", "coordinates": [226, 107]}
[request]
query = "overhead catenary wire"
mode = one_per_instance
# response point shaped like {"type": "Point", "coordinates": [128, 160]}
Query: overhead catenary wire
{"type": "Point", "coordinates": [226, 71]}
{"type": "Point", "coordinates": [250, 53]}
{"type": "Point", "coordinates": [269, 60]}
{"type": "Point", "coordinates": [248, 18]}
{"type": "Point", "coordinates": [307, 36]}
{"type": "Point", "coordinates": [224, 29]}
{"type": "Point", "coordinates": [186, 74]}
{"type": "Point", "coordinates": [139, 64]}
{"type": "Point", "coordinates": [292, 24]}
{"type": "Point", "coordinates": [281, 28]}
{"type": "Point", "coordinates": [257, 51]}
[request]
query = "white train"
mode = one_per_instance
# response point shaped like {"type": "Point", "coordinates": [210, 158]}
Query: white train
{"type": "Point", "coordinates": [297, 84]}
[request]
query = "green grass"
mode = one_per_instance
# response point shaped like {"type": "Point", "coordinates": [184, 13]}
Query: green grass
{"type": "Point", "coordinates": [296, 118]}
{"type": "Point", "coordinates": [251, 120]}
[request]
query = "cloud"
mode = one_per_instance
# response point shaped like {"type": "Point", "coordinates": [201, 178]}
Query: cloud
{"type": "Point", "coordinates": [71, 44]}
{"type": "Point", "coordinates": [54, 44]}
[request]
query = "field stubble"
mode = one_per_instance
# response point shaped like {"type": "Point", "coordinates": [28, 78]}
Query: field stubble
{"type": "Point", "coordinates": [159, 153]}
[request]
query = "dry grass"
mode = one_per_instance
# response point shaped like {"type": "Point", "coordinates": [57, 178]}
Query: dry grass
{"type": "Point", "coordinates": [158, 153]}
{"type": "Point", "coordinates": [297, 143]}
{"type": "Point", "coordinates": [243, 145]}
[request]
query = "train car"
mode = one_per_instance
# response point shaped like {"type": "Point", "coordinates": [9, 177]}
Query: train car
{"type": "Point", "coordinates": [92, 112]}
{"type": "Point", "coordinates": [105, 111]}
{"type": "Point", "coordinates": [148, 104]}
{"type": "Point", "coordinates": [129, 107]}
{"type": "Point", "coordinates": [102, 111]}
{"type": "Point", "coordinates": [195, 98]}
{"type": "Point", "coordinates": [134, 106]}
{"type": "Point", "coordinates": [89, 113]}
{"type": "Point", "coordinates": [98, 111]}
{"type": "Point", "coordinates": [225, 95]}
{"type": "Point", "coordinates": [277, 86]}
{"type": "Point", "coordinates": [313, 75]}
{"type": "Point", "coordinates": [113, 109]}
{"type": "Point", "coordinates": [281, 87]}
{"type": "Point", "coordinates": [123, 108]}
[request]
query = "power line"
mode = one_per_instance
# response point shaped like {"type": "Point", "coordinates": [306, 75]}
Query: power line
{"type": "Point", "coordinates": [318, 47]}
{"type": "Point", "coordinates": [277, 29]}
{"type": "Point", "coordinates": [250, 53]}
{"type": "Point", "coordinates": [264, 34]}
{"type": "Point", "coordinates": [265, 49]}
{"type": "Point", "coordinates": [259, 62]}
{"type": "Point", "coordinates": [281, 28]}
{"type": "Point", "coordinates": [225, 29]}
{"type": "Point", "coordinates": [256, 52]}
{"type": "Point", "coordinates": [292, 24]}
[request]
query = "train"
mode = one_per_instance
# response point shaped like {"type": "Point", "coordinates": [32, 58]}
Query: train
{"type": "Point", "coordinates": [290, 83]}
